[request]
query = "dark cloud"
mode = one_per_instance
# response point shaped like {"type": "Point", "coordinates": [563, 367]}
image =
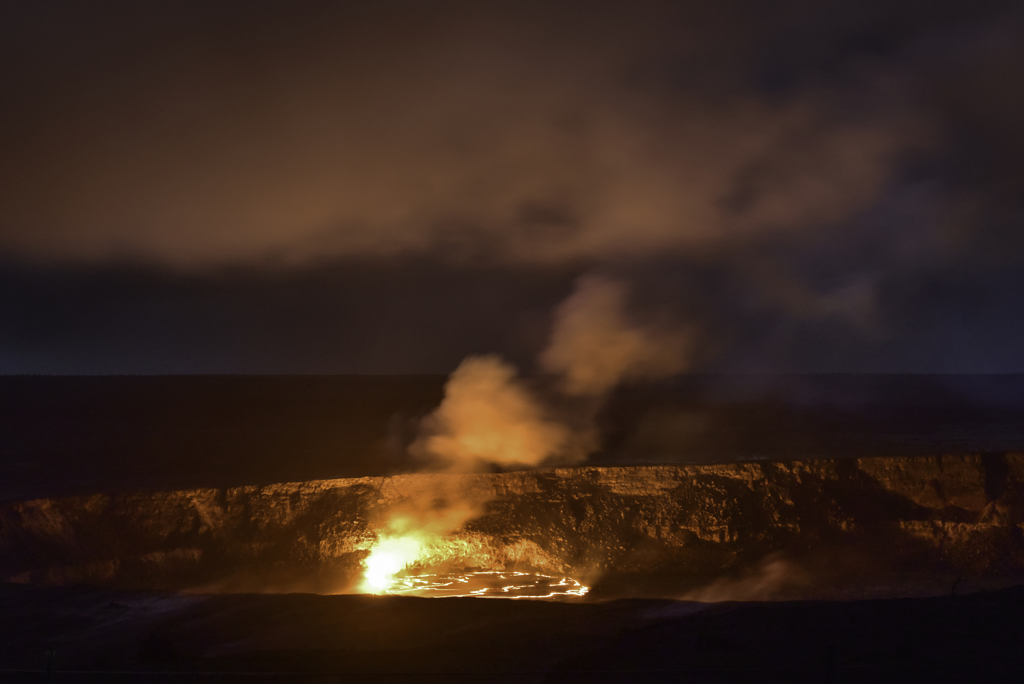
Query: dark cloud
{"type": "Point", "coordinates": [293, 187]}
{"type": "Point", "coordinates": [406, 316]}
{"type": "Point", "coordinates": [195, 138]}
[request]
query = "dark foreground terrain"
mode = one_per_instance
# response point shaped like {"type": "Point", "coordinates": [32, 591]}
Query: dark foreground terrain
{"type": "Point", "coordinates": [102, 636]}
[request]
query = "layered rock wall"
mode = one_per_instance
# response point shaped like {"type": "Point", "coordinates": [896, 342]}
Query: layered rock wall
{"type": "Point", "coordinates": [963, 514]}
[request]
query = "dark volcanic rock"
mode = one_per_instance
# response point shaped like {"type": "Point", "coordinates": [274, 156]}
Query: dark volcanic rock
{"type": "Point", "coordinates": [102, 635]}
{"type": "Point", "coordinates": [959, 515]}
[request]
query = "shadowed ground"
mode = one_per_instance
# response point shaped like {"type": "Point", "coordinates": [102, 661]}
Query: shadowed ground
{"type": "Point", "coordinates": [155, 638]}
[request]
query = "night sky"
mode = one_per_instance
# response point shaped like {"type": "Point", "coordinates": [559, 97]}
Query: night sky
{"type": "Point", "coordinates": [389, 186]}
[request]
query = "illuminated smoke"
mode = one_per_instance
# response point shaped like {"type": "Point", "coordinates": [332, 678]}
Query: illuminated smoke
{"type": "Point", "coordinates": [415, 530]}
{"type": "Point", "coordinates": [489, 417]}
{"type": "Point", "coordinates": [595, 345]}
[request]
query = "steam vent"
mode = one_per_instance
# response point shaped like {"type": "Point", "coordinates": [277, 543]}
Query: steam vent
{"type": "Point", "coordinates": [644, 529]}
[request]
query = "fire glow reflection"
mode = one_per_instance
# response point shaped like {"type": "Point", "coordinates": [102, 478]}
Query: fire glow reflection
{"type": "Point", "coordinates": [486, 584]}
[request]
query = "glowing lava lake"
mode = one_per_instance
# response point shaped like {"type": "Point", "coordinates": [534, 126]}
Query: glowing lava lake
{"type": "Point", "coordinates": [487, 584]}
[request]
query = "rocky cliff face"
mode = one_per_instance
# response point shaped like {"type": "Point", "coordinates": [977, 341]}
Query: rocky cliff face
{"type": "Point", "coordinates": [958, 514]}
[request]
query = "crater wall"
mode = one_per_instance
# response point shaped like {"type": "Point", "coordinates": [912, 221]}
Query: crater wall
{"type": "Point", "coordinates": [958, 514]}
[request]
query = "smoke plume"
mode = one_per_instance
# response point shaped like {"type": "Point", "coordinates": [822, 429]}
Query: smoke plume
{"type": "Point", "coordinates": [595, 345]}
{"type": "Point", "coordinates": [417, 530]}
{"type": "Point", "coordinates": [488, 416]}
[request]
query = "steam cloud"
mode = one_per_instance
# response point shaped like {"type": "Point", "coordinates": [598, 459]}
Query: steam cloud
{"type": "Point", "coordinates": [490, 417]}
{"type": "Point", "coordinates": [595, 347]}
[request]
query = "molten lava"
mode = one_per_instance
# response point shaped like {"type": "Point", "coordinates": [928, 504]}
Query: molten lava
{"type": "Point", "coordinates": [488, 584]}
{"type": "Point", "coordinates": [389, 570]}
{"type": "Point", "coordinates": [389, 557]}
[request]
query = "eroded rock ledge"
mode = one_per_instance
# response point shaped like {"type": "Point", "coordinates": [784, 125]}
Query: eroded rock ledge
{"type": "Point", "coordinates": [960, 514]}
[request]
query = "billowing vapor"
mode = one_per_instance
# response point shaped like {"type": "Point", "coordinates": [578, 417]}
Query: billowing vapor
{"type": "Point", "coordinates": [595, 346]}
{"type": "Point", "coordinates": [489, 417]}
{"type": "Point", "coordinates": [415, 530]}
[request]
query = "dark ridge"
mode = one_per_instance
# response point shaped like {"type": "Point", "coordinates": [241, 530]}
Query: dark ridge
{"type": "Point", "coordinates": [66, 435]}
{"type": "Point", "coordinates": [75, 435]}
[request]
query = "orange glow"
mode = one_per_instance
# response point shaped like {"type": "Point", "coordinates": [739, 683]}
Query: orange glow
{"type": "Point", "coordinates": [389, 557]}
{"type": "Point", "coordinates": [489, 584]}
{"type": "Point", "coordinates": [387, 573]}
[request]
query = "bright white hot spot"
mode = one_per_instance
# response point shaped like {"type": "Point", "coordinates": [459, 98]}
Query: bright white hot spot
{"type": "Point", "coordinates": [390, 556]}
